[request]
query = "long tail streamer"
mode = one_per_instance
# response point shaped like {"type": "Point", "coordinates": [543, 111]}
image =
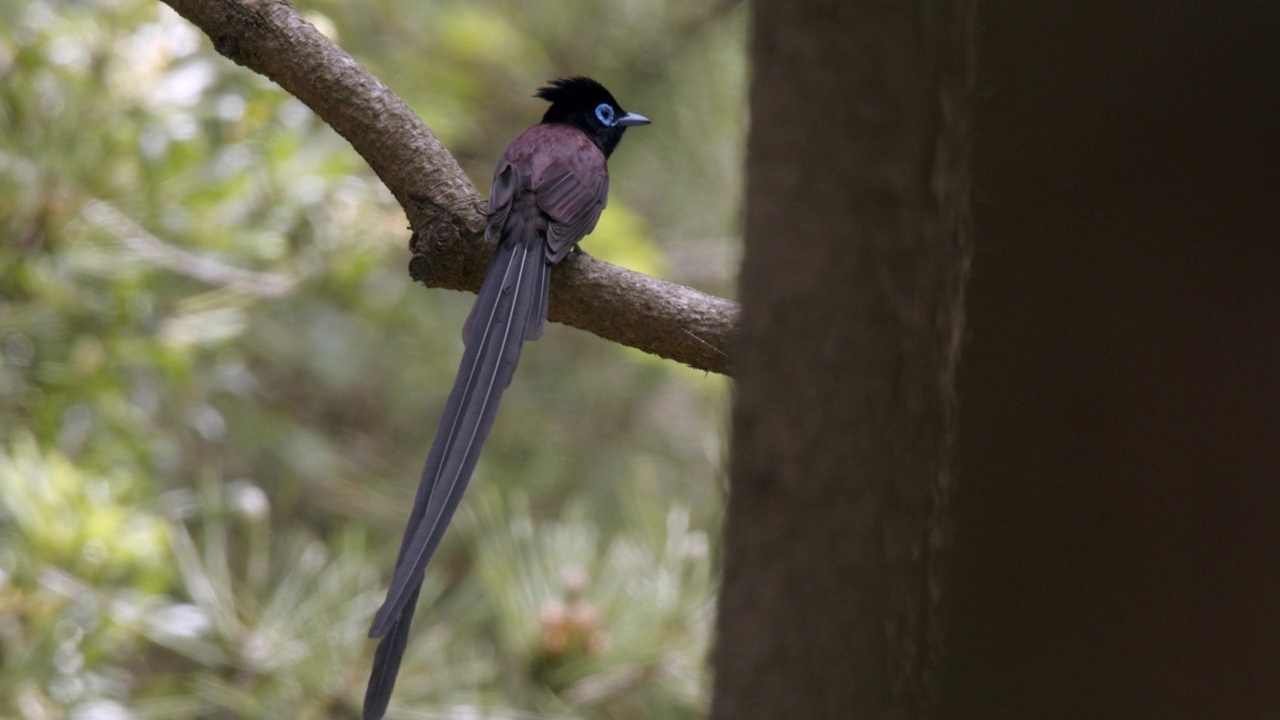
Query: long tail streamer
{"type": "Point", "coordinates": [511, 308]}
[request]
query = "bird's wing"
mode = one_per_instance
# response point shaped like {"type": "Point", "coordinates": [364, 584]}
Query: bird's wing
{"type": "Point", "coordinates": [573, 201]}
{"type": "Point", "coordinates": [506, 183]}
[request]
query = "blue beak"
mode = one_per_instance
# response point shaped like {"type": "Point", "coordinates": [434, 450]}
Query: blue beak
{"type": "Point", "coordinates": [632, 119]}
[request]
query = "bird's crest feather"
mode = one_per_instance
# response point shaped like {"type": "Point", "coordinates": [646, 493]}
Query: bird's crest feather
{"type": "Point", "coordinates": [577, 90]}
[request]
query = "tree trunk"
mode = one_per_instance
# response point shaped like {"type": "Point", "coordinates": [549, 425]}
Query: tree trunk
{"type": "Point", "coordinates": [1117, 545]}
{"type": "Point", "coordinates": [842, 427]}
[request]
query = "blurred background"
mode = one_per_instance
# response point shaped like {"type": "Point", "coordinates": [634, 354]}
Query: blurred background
{"type": "Point", "coordinates": [217, 383]}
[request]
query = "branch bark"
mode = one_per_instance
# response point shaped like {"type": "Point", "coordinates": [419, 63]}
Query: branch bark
{"type": "Point", "coordinates": [444, 209]}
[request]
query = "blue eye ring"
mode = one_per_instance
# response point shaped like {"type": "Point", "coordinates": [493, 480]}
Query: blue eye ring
{"type": "Point", "coordinates": [605, 114]}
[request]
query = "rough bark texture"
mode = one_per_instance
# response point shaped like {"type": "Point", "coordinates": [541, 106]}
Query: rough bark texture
{"type": "Point", "coordinates": [1118, 525]}
{"type": "Point", "coordinates": [851, 288]}
{"type": "Point", "coordinates": [443, 207]}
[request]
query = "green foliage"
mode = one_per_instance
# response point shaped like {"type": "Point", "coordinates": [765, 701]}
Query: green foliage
{"type": "Point", "coordinates": [78, 549]}
{"type": "Point", "coordinates": [612, 617]}
{"type": "Point", "coordinates": [217, 383]}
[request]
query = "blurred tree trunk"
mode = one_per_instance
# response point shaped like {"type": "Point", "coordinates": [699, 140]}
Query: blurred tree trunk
{"type": "Point", "coordinates": [1117, 545]}
{"type": "Point", "coordinates": [851, 288]}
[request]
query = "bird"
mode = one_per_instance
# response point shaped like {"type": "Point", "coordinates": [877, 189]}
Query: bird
{"type": "Point", "coordinates": [547, 194]}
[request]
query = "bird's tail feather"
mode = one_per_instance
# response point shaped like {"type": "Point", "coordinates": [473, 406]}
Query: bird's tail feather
{"type": "Point", "coordinates": [509, 309]}
{"type": "Point", "coordinates": [386, 661]}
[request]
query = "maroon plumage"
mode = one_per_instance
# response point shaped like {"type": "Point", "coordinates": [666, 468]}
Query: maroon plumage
{"type": "Point", "coordinates": [547, 194]}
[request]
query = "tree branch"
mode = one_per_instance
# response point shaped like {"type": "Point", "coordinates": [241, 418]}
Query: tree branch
{"type": "Point", "coordinates": [443, 207]}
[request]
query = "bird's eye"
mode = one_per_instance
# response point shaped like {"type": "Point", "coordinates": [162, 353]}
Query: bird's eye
{"type": "Point", "coordinates": [604, 111]}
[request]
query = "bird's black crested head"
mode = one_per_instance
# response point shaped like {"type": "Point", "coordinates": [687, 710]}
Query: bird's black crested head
{"type": "Point", "coordinates": [588, 106]}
